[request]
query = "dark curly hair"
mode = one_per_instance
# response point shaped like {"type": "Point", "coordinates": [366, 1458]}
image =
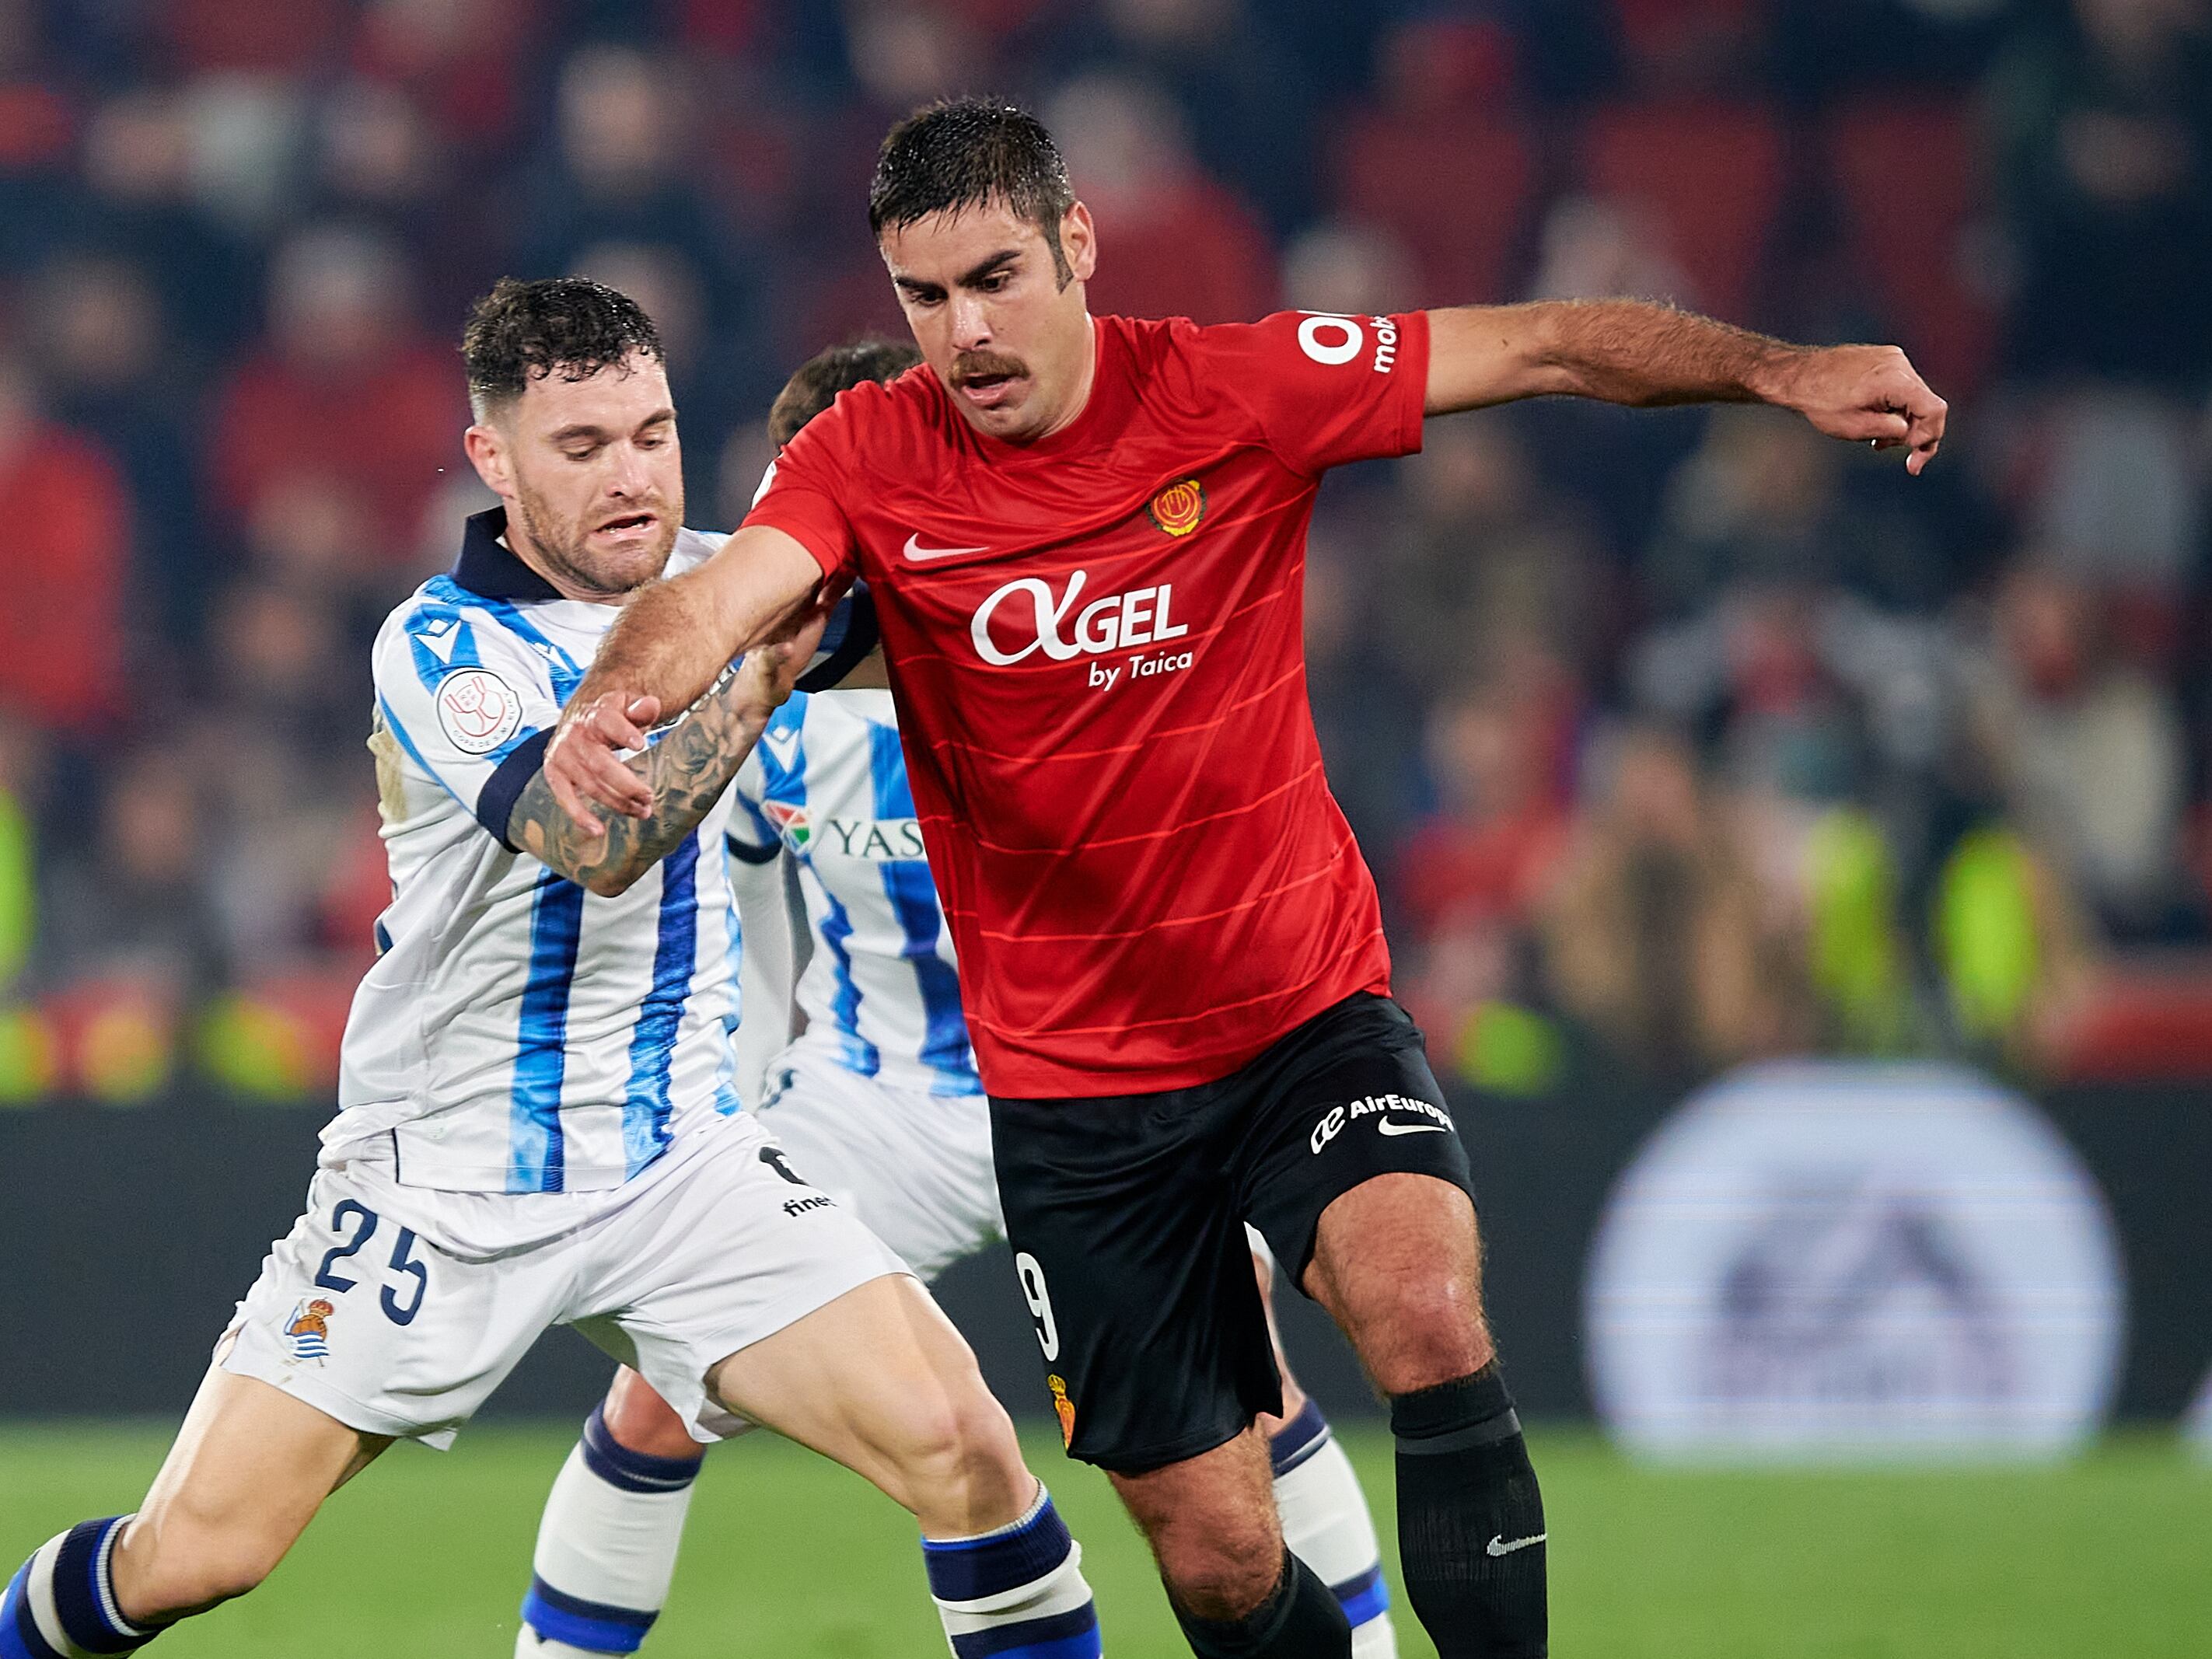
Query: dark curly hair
{"type": "Point", "coordinates": [967, 153]}
{"type": "Point", "coordinates": [523, 332]}
{"type": "Point", "coordinates": [823, 376]}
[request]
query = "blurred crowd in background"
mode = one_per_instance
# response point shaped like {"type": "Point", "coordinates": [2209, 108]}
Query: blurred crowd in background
{"type": "Point", "coordinates": [1674, 739]}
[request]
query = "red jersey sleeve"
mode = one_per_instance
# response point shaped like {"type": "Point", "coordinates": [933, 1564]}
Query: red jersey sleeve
{"type": "Point", "coordinates": [1325, 390]}
{"type": "Point", "coordinates": [800, 497]}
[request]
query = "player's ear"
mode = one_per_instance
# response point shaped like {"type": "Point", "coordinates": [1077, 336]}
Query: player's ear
{"type": "Point", "coordinates": [1079, 242]}
{"type": "Point", "coordinates": [487, 448]}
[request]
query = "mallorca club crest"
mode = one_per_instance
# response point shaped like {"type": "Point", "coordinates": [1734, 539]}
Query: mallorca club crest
{"type": "Point", "coordinates": [1177, 509]}
{"type": "Point", "coordinates": [791, 823]}
{"type": "Point", "coordinates": [1063, 1407]}
{"type": "Point", "coordinates": [309, 1330]}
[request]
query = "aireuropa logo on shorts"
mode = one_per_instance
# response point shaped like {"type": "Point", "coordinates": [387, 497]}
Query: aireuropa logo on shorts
{"type": "Point", "coordinates": [1394, 1114]}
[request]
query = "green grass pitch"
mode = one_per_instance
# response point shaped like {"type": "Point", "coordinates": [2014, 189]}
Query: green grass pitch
{"type": "Point", "coordinates": [425, 1555]}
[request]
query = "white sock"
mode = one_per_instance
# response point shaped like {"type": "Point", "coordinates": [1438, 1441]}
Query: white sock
{"type": "Point", "coordinates": [606, 1548]}
{"type": "Point", "coordinates": [1326, 1525]}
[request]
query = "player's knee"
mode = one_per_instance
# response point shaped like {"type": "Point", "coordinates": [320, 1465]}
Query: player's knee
{"type": "Point", "coordinates": [1218, 1570]}
{"type": "Point", "coordinates": [960, 1457]}
{"type": "Point", "coordinates": [1428, 1329]}
{"type": "Point", "coordinates": [194, 1564]}
{"type": "Point", "coordinates": [642, 1421]}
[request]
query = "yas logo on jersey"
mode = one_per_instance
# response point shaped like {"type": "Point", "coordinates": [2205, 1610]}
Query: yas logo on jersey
{"type": "Point", "coordinates": [1026, 616]}
{"type": "Point", "coordinates": [880, 841]}
{"type": "Point", "coordinates": [791, 822]}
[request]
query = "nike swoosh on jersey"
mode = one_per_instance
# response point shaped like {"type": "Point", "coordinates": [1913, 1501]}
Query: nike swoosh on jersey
{"type": "Point", "coordinates": [1497, 1545]}
{"type": "Point", "coordinates": [922, 555]}
{"type": "Point", "coordinates": [1392, 1126]}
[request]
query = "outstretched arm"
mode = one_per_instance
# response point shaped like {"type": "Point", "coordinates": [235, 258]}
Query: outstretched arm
{"type": "Point", "coordinates": [1627, 351]}
{"type": "Point", "coordinates": [672, 640]}
{"type": "Point", "coordinates": [680, 777]}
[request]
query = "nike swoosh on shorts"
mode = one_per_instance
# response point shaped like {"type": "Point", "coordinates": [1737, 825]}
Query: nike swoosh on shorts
{"type": "Point", "coordinates": [1391, 1127]}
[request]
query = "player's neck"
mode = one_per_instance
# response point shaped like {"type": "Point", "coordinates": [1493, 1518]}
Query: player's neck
{"type": "Point", "coordinates": [1079, 399]}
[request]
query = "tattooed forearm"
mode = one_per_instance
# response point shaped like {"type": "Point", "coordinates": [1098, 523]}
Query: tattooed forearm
{"type": "Point", "coordinates": [687, 770]}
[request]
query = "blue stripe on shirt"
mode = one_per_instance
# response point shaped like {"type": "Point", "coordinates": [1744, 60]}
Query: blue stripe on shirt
{"type": "Point", "coordinates": [785, 783]}
{"type": "Point", "coordinates": [912, 897]}
{"type": "Point", "coordinates": [561, 667]}
{"type": "Point", "coordinates": [536, 1153]}
{"type": "Point", "coordinates": [661, 1018]}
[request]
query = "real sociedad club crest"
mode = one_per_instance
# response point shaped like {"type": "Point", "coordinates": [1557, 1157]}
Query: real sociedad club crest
{"type": "Point", "coordinates": [309, 1330]}
{"type": "Point", "coordinates": [1177, 509]}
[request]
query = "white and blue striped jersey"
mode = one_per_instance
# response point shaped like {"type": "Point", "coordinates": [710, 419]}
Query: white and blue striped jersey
{"type": "Point", "coordinates": [519, 1034]}
{"type": "Point", "coordinates": [881, 987]}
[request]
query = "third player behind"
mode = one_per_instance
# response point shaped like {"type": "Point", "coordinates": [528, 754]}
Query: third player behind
{"type": "Point", "coordinates": [878, 1097]}
{"type": "Point", "coordinates": [1086, 539]}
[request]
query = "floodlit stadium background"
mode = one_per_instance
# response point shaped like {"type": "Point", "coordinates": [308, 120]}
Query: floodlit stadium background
{"type": "Point", "coordinates": [1681, 743]}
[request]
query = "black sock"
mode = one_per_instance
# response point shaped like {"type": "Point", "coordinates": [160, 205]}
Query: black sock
{"type": "Point", "coordinates": [1470, 1520]}
{"type": "Point", "coordinates": [1302, 1619]}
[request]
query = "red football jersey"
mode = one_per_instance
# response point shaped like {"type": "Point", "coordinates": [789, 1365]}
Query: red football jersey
{"type": "Point", "coordinates": [1095, 648]}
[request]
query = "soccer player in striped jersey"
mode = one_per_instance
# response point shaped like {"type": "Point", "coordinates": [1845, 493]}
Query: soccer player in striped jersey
{"type": "Point", "coordinates": [538, 1121]}
{"type": "Point", "coordinates": [877, 1096]}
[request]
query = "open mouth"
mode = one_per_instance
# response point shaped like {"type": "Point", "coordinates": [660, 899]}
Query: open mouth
{"type": "Point", "coordinates": [629, 524]}
{"type": "Point", "coordinates": [988, 390]}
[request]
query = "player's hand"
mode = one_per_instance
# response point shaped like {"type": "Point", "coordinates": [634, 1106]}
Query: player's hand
{"type": "Point", "coordinates": [1865, 394]}
{"type": "Point", "coordinates": [583, 763]}
{"type": "Point", "coordinates": [770, 670]}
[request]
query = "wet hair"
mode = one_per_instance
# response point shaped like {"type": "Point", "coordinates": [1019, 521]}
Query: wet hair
{"type": "Point", "coordinates": [570, 326]}
{"type": "Point", "coordinates": [823, 376]}
{"type": "Point", "coordinates": [968, 153]}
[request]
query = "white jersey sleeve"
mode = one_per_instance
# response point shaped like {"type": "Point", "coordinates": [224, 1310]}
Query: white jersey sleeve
{"type": "Point", "coordinates": [470, 705]}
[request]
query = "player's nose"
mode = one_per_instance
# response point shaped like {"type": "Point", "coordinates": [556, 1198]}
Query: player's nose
{"type": "Point", "coordinates": [971, 322]}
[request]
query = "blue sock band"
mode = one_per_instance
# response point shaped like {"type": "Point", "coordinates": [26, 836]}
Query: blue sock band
{"type": "Point", "coordinates": [633, 1471]}
{"type": "Point", "coordinates": [1363, 1598]}
{"type": "Point", "coordinates": [68, 1575]}
{"type": "Point", "coordinates": [998, 1566]}
{"type": "Point", "coordinates": [1298, 1439]}
{"type": "Point", "coordinates": [595, 1626]}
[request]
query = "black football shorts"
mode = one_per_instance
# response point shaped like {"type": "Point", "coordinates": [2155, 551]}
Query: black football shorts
{"type": "Point", "coordinates": [1127, 1216]}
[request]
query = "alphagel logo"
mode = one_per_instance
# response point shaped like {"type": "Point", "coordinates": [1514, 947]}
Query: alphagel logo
{"type": "Point", "coordinates": [1143, 616]}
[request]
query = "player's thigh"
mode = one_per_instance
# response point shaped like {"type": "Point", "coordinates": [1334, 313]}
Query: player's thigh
{"type": "Point", "coordinates": [1135, 1267]}
{"type": "Point", "coordinates": [642, 1421]}
{"type": "Point", "coordinates": [917, 1167]}
{"type": "Point", "coordinates": [881, 1380]}
{"type": "Point", "coordinates": [1398, 1266]}
{"type": "Point", "coordinates": [247, 1472]}
{"type": "Point", "coordinates": [1352, 1161]}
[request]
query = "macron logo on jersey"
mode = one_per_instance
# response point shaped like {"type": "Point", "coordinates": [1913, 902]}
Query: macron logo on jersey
{"type": "Point", "coordinates": [1116, 622]}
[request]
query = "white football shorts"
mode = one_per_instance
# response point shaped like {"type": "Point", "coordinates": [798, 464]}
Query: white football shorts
{"type": "Point", "coordinates": [915, 1166]}
{"type": "Point", "coordinates": [398, 1310]}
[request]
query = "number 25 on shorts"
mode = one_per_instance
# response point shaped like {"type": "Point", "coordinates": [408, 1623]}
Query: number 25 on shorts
{"type": "Point", "coordinates": [403, 1261]}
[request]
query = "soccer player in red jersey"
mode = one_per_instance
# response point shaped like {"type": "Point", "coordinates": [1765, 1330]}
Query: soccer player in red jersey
{"type": "Point", "coordinates": [1085, 536]}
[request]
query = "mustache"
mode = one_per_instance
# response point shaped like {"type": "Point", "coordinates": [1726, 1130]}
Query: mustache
{"type": "Point", "coordinates": [979, 365]}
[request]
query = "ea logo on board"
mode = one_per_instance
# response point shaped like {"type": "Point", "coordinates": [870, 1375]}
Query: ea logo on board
{"type": "Point", "coordinates": [1832, 1259]}
{"type": "Point", "coordinates": [477, 710]}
